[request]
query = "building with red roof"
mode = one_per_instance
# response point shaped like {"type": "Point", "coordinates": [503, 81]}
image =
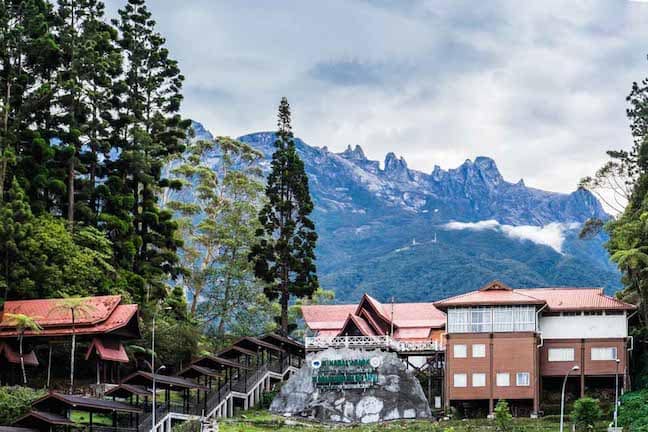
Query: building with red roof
{"type": "Point", "coordinates": [518, 345]}
{"type": "Point", "coordinates": [104, 325]}
{"type": "Point", "coordinates": [496, 342]}
{"type": "Point", "coordinates": [407, 322]}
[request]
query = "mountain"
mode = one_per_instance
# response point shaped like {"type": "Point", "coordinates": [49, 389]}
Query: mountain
{"type": "Point", "coordinates": [393, 231]}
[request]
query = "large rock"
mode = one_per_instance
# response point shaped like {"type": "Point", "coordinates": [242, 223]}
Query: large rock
{"type": "Point", "coordinates": [394, 394]}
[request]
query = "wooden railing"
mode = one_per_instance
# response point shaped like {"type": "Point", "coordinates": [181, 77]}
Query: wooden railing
{"type": "Point", "coordinates": [370, 342]}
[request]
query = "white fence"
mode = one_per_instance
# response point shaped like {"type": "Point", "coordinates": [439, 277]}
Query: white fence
{"type": "Point", "coordinates": [387, 342]}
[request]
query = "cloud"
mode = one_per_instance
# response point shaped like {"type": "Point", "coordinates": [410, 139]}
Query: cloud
{"type": "Point", "coordinates": [490, 224]}
{"type": "Point", "coordinates": [538, 86]}
{"type": "Point", "coordinates": [552, 235]}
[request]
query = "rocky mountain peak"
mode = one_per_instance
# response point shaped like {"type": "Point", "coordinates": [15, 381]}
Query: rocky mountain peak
{"type": "Point", "coordinates": [489, 170]}
{"type": "Point", "coordinates": [396, 167]}
{"type": "Point", "coordinates": [354, 154]}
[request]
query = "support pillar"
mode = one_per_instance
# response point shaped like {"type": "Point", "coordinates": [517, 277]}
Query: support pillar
{"type": "Point", "coordinates": [582, 369]}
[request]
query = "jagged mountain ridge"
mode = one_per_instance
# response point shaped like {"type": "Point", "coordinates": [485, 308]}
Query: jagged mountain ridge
{"type": "Point", "coordinates": [368, 216]}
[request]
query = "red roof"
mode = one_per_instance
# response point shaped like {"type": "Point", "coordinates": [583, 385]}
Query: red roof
{"type": "Point", "coordinates": [48, 315]}
{"type": "Point", "coordinates": [12, 355]}
{"type": "Point", "coordinates": [556, 299]}
{"type": "Point", "coordinates": [412, 321]}
{"type": "Point", "coordinates": [105, 315]}
{"type": "Point", "coordinates": [570, 299]}
{"type": "Point", "coordinates": [107, 349]}
{"type": "Point", "coordinates": [360, 324]}
{"type": "Point", "coordinates": [329, 317]}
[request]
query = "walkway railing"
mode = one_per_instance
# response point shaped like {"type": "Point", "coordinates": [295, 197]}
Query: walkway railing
{"type": "Point", "coordinates": [370, 342]}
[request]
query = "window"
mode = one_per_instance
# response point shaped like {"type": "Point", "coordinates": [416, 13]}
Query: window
{"type": "Point", "coordinates": [460, 351]}
{"type": "Point", "coordinates": [460, 380]}
{"type": "Point", "coordinates": [522, 379]}
{"type": "Point", "coordinates": [486, 319]}
{"type": "Point", "coordinates": [561, 354]}
{"type": "Point", "coordinates": [479, 350]}
{"type": "Point", "coordinates": [604, 353]}
{"type": "Point", "coordinates": [480, 320]}
{"type": "Point", "coordinates": [572, 313]}
{"type": "Point", "coordinates": [479, 380]}
{"type": "Point", "coordinates": [458, 320]}
{"type": "Point", "coordinates": [503, 380]}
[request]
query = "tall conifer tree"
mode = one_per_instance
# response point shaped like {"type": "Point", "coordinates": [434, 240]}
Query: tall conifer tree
{"type": "Point", "coordinates": [148, 131]}
{"type": "Point", "coordinates": [28, 54]}
{"type": "Point", "coordinates": [284, 256]}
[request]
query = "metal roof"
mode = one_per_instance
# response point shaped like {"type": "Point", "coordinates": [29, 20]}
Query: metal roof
{"type": "Point", "coordinates": [85, 403]}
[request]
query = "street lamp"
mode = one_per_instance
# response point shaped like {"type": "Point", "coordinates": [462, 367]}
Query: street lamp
{"type": "Point", "coordinates": [562, 397]}
{"type": "Point", "coordinates": [616, 392]}
{"type": "Point", "coordinates": [153, 361]}
{"type": "Point", "coordinates": [154, 394]}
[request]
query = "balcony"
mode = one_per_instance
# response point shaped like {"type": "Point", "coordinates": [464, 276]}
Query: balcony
{"type": "Point", "coordinates": [370, 342]}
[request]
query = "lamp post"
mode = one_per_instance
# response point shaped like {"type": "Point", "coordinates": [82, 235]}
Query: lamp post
{"type": "Point", "coordinates": [562, 397]}
{"type": "Point", "coordinates": [153, 371]}
{"type": "Point", "coordinates": [154, 392]}
{"type": "Point", "coordinates": [616, 393]}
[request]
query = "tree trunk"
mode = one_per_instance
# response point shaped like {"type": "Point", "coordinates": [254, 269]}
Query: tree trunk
{"type": "Point", "coordinates": [71, 195]}
{"type": "Point", "coordinates": [3, 148]}
{"type": "Point", "coordinates": [70, 212]}
{"type": "Point", "coordinates": [72, 355]}
{"type": "Point", "coordinates": [285, 296]}
{"type": "Point", "coordinates": [49, 365]}
{"type": "Point", "coordinates": [6, 269]}
{"type": "Point", "coordinates": [22, 358]}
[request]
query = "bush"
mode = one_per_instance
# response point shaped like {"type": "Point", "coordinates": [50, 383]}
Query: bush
{"type": "Point", "coordinates": [633, 412]}
{"type": "Point", "coordinates": [188, 426]}
{"type": "Point", "coordinates": [15, 402]}
{"type": "Point", "coordinates": [503, 417]}
{"type": "Point", "coordinates": [586, 413]}
{"type": "Point", "coordinates": [267, 398]}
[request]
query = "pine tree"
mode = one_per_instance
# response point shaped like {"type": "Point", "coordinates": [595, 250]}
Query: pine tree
{"type": "Point", "coordinates": [148, 131]}
{"type": "Point", "coordinates": [284, 256]}
{"type": "Point", "coordinates": [91, 61]}
{"type": "Point", "coordinates": [28, 54]}
{"type": "Point", "coordinates": [15, 234]}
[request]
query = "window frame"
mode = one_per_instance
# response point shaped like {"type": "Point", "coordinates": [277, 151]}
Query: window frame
{"type": "Point", "coordinates": [614, 350]}
{"type": "Point", "coordinates": [480, 375]}
{"type": "Point", "coordinates": [465, 380]}
{"type": "Point", "coordinates": [502, 374]}
{"type": "Point", "coordinates": [483, 346]}
{"type": "Point", "coordinates": [454, 351]}
{"type": "Point", "coordinates": [561, 359]}
{"type": "Point", "coordinates": [517, 379]}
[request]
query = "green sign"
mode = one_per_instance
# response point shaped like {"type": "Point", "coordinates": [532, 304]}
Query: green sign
{"type": "Point", "coordinates": [345, 374]}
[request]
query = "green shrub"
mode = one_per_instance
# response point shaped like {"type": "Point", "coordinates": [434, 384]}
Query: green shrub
{"type": "Point", "coordinates": [267, 398]}
{"type": "Point", "coordinates": [633, 412]}
{"type": "Point", "coordinates": [188, 426]}
{"type": "Point", "coordinates": [586, 413]}
{"type": "Point", "coordinates": [16, 401]}
{"type": "Point", "coordinates": [503, 417]}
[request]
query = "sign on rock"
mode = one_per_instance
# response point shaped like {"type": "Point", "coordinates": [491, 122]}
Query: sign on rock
{"type": "Point", "coordinates": [352, 386]}
{"type": "Point", "coordinates": [345, 374]}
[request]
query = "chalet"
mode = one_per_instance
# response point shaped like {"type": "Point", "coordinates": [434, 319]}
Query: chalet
{"type": "Point", "coordinates": [104, 326]}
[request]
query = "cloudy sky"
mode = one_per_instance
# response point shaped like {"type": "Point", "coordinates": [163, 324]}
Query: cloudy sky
{"type": "Point", "coordinates": [538, 86]}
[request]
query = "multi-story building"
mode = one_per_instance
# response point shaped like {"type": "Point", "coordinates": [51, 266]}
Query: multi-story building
{"type": "Point", "coordinates": [499, 342]}
{"type": "Point", "coordinates": [504, 343]}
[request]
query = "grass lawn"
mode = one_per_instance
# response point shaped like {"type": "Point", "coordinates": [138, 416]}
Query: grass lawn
{"type": "Point", "coordinates": [262, 421]}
